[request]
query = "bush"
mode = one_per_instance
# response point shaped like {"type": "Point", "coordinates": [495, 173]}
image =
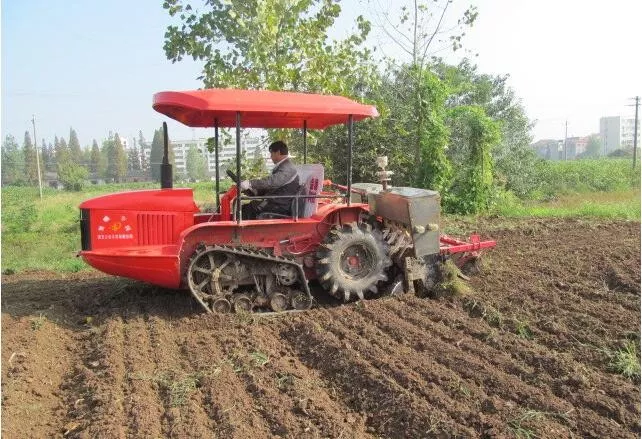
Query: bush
{"type": "Point", "coordinates": [589, 175]}
{"type": "Point", "coordinates": [72, 176]}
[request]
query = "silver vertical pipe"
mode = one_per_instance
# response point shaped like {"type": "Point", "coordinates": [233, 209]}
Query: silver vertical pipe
{"type": "Point", "coordinates": [238, 167]}
{"type": "Point", "coordinates": [350, 140]}
{"type": "Point", "coordinates": [218, 189]}
{"type": "Point", "coordinates": [305, 141]}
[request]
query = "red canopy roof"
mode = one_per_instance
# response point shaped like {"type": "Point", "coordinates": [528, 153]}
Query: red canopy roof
{"type": "Point", "coordinates": [259, 108]}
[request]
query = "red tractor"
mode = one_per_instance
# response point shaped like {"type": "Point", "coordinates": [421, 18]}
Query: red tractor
{"type": "Point", "coordinates": [356, 240]}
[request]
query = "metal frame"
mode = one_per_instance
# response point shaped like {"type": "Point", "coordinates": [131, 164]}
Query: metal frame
{"type": "Point", "coordinates": [240, 198]}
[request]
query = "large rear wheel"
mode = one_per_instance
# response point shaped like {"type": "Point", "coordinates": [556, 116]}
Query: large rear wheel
{"type": "Point", "coordinates": [352, 260]}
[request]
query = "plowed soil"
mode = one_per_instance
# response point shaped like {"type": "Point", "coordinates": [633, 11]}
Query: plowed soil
{"type": "Point", "coordinates": [527, 353]}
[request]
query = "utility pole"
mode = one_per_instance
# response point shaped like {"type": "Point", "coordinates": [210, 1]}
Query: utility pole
{"type": "Point", "coordinates": [565, 137]}
{"type": "Point", "coordinates": [35, 144]}
{"type": "Point", "coordinates": [635, 129]}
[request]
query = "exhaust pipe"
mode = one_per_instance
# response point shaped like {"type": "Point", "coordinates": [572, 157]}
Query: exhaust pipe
{"type": "Point", "coordinates": [166, 168]}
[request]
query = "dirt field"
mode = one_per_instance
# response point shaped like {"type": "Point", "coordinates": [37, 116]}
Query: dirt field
{"type": "Point", "coordinates": [526, 354]}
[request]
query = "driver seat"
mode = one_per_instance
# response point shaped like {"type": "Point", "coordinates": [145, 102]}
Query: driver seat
{"type": "Point", "coordinates": [293, 206]}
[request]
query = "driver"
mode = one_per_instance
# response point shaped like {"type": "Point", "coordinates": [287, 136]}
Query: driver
{"type": "Point", "coordinates": [283, 180]}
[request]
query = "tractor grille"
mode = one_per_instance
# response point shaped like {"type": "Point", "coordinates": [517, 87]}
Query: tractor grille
{"type": "Point", "coordinates": [85, 235]}
{"type": "Point", "coordinates": [155, 228]}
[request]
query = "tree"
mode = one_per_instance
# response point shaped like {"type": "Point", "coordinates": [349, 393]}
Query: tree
{"type": "Point", "coordinates": [423, 30]}
{"type": "Point", "coordinates": [47, 157]}
{"type": "Point", "coordinates": [96, 162]}
{"type": "Point", "coordinates": [471, 190]}
{"type": "Point", "coordinates": [594, 146]}
{"type": "Point", "coordinates": [62, 152]}
{"type": "Point", "coordinates": [74, 147]}
{"type": "Point", "coordinates": [156, 154]}
{"type": "Point", "coordinates": [275, 45]}
{"type": "Point", "coordinates": [416, 32]}
{"type": "Point", "coordinates": [514, 162]}
{"type": "Point", "coordinates": [195, 164]}
{"type": "Point", "coordinates": [30, 160]}
{"type": "Point", "coordinates": [142, 145]}
{"type": "Point", "coordinates": [116, 159]}
{"type": "Point", "coordinates": [13, 161]}
{"type": "Point", "coordinates": [72, 176]}
{"type": "Point", "coordinates": [133, 159]}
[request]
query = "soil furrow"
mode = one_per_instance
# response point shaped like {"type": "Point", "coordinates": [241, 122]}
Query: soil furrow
{"type": "Point", "coordinates": [540, 398]}
{"type": "Point", "coordinates": [392, 411]}
{"type": "Point", "coordinates": [184, 415]}
{"type": "Point", "coordinates": [231, 410]}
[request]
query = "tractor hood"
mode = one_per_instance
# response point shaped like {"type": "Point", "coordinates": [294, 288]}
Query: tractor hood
{"type": "Point", "coordinates": [165, 200]}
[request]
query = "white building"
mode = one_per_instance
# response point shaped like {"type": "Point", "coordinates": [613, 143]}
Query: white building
{"type": "Point", "coordinates": [250, 145]}
{"type": "Point", "coordinates": [617, 133]}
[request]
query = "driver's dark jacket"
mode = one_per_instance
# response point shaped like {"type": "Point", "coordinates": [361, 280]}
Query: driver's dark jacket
{"type": "Point", "coordinates": [283, 180]}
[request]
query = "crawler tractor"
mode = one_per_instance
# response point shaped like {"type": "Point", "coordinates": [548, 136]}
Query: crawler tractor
{"type": "Point", "coordinates": [356, 240]}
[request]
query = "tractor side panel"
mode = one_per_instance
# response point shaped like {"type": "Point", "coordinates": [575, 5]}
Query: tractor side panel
{"type": "Point", "coordinates": [281, 236]}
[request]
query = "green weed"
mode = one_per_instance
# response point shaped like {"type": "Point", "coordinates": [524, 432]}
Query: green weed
{"type": "Point", "coordinates": [626, 360]}
{"type": "Point", "coordinates": [623, 205]}
{"type": "Point", "coordinates": [38, 322]}
{"type": "Point", "coordinates": [284, 380]}
{"type": "Point", "coordinates": [493, 316]}
{"type": "Point", "coordinates": [520, 425]}
{"type": "Point", "coordinates": [177, 387]}
{"type": "Point", "coordinates": [522, 329]}
{"type": "Point", "coordinates": [259, 359]}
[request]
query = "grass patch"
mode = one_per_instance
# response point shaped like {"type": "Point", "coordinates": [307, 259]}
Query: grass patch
{"type": "Point", "coordinates": [623, 205]}
{"type": "Point", "coordinates": [177, 387]}
{"type": "Point", "coordinates": [626, 360]}
{"type": "Point", "coordinates": [44, 234]}
{"type": "Point", "coordinates": [523, 329]}
{"type": "Point", "coordinates": [450, 284]}
{"type": "Point", "coordinates": [38, 322]}
{"type": "Point", "coordinates": [522, 425]}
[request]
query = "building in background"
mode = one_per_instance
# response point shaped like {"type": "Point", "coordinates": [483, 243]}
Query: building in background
{"type": "Point", "coordinates": [617, 133]}
{"type": "Point", "coordinates": [252, 146]}
{"type": "Point", "coordinates": [575, 146]}
{"type": "Point", "coordinates": [549, 149]}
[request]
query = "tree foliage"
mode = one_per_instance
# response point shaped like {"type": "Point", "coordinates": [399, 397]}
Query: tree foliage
{"type": "Point", "coordinates": [13, 162]}
{"type": "Point", "coordinates": [195, 164]}
{"type": "Point", "coordinates": [593, 147]}
{"type": "Point", "coordinates": [472, 187]}
{"type": "Point", "coordinates": [133, 159]}
{"type": "Point", "coordinates": [96, 160]}
{"type": "Point", "coordinates": [275, 45]}
{"type": "Point", "coordinates": [61, 151]}
{"type": "Point", "coordinates": [156, 154]}
{"type": "Point", "coordinates": [73, 176]}
{"type": "Point", "coordinates": [424, 29]}
{"type": "Point", "coordinates": [74, 147]}
{"type": "Point", "coordinates": [514, 160]}
{"type": "Point", "coordinates": [116, 159]}
{"type": "Point", "coordinates": [30, 160]}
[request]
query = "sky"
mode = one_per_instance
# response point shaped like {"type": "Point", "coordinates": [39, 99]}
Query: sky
{"type": "Point", "coordinates": [95, 65]}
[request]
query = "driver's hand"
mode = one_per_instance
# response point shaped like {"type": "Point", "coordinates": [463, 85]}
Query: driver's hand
{"type": "Point", "coordinates": [245, 185]}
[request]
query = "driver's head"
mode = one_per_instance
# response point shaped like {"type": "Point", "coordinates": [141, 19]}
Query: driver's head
{"type": "Point", "coordinates": [278, 151]}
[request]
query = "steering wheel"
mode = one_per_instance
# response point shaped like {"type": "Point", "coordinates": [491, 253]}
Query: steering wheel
{"type": "Point", "coordinates": [232, 175]}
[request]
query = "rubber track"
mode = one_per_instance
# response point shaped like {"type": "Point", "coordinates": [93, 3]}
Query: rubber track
{"type": "Point", "coordinates": [256, 254]}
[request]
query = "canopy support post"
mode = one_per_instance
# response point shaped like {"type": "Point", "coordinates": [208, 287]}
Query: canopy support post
{"type": "Point", "coordinates": [238, 167]}
{"type": "Point", "coordinates": [218, 190]}
{"type": "Point", "coordinates": [350, 141]}
{"type": "Point", "coordinates": [305, 141]}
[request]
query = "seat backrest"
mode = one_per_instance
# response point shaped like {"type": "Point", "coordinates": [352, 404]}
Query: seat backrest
{"type": "Point", "coordinates": [311, 178]}
{"type": "Point", "coordinates": [301, 201]}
